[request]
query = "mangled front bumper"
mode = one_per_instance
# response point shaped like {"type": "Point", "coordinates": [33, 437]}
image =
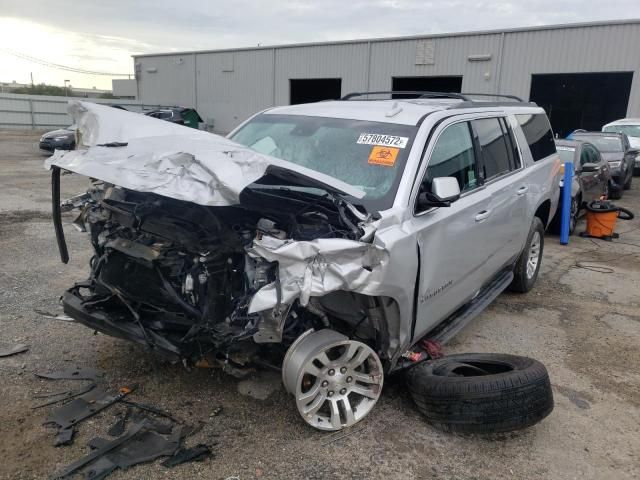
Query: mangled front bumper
{"type": "Point", "coordinates": [74, 306]}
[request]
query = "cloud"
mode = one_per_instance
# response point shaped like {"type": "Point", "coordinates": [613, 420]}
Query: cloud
{"type": "Point", "coordinates": [110, 31]}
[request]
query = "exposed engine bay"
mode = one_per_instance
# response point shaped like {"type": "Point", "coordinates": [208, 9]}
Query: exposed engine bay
{"type": "Point", "coordinates": [179, 277]}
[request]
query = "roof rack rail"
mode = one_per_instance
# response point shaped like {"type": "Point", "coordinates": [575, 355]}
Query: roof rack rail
{"type": "Point", "coordinates": [420, 94]}
{"type": "Point", "coordinates": [511, 97]}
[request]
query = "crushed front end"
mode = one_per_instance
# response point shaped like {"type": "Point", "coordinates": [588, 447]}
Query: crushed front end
{"type": "Point", "coordinates": [179, 278]}
{"type": "Point", "coordinates": [208, 252]}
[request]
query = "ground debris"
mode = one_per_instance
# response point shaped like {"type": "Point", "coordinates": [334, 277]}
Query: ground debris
{"type": "Point", "coordinates": [77, 373]}
{"type": "Point", "coordinates": [63, 396]}
{"type": "Point", "coordinates": [84, 407]}
{"type": "Point", "coordinates": [183, 455]}
{"type": "Point", "coordinates": [145, 439]}
{"type": "Point", "coordinates": [53, 316]}
{"type": "Point", "coordinates": [18, 348]}
{"type": "Point", "coordinates": [64, 437]}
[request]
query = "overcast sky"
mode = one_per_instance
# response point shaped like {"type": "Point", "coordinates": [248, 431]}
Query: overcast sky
{"type": "Point", "coordinates": [102, 35]}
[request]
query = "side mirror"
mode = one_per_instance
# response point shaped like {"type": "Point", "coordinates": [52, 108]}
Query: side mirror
{"type": "Point", "coordinates": [633, 151]}
{"type": "Point", "coordinates": [590, 167]}
{"type": "Point", "coordinates": [444, 191]}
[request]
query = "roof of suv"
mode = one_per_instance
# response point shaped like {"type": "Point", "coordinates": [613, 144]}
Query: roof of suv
{"type": "Point", "coordinates": [624, 121]}
{"type": "Point", "coordinates": [597, 134]}
{"type": "Point", "coordinates": [402, 111]}
{"type": "Point", "coordinates": [569, 143]}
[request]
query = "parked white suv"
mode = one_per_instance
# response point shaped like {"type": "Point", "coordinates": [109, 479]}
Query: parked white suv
{"type": "Point", "coordinates": [342, 233]}
{"type": "Point", "coordinates": [631, 128]}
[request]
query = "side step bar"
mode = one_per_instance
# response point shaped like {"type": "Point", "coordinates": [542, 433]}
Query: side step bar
{"type": "Point", "coordinates": [450, 327]}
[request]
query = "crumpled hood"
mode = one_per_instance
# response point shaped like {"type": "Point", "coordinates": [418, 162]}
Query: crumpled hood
{"type": "Point", "coordinates": [173, 160]}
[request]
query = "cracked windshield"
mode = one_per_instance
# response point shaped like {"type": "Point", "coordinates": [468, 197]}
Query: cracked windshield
{"type": "Point", "coordinates": [367, 155]}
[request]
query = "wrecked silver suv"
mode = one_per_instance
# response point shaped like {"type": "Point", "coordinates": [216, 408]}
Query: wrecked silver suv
{"type": "Point", "coordinates": [327, 238]}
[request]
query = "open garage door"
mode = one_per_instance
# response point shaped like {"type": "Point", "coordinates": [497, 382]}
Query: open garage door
{"type": "Point", "coordinates": [582, 100]}
{"type": "Point", "coordinates": [449, 84]}
{"type": "Point", "coordinates": [310, 90]}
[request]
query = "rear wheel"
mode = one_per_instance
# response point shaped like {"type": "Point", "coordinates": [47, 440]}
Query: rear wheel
{"type": "Point", "coordinates": [527, 267]}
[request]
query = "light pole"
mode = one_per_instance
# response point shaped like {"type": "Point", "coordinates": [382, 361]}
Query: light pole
{"type": "Point", "coordinates": [66, 90]}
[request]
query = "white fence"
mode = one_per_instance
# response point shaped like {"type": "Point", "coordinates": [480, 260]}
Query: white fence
{"type": "Point", "coordinates": [47, 112]}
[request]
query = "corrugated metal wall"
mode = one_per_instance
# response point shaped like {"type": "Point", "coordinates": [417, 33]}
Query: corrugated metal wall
{"type": "Point", "coordinates": [47, 112]}
{"type": "Point", "coordinates": [228, 86]}
{"type": "Point", "coordinates": [610, 48]}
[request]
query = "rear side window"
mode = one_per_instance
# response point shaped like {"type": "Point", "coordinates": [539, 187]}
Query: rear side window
{"type": "Point", "coordinates": [537, 131]}
{"type": "Point", "coordinates": [495, 147]}
{"type": "Point", "coordinates": [453, 156]}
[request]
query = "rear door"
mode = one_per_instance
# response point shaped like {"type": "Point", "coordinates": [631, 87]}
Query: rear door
{"type": "Point", "coordinates": [542, 163]}
{"type": "Point", "coordinates": [507, 223]}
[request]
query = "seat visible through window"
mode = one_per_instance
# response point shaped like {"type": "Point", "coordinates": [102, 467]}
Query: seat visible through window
{"type": "Point", "coordinates": [453, 156]}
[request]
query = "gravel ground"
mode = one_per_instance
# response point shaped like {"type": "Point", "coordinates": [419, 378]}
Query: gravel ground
{"type": "Point", "coordinates": [584, 324]}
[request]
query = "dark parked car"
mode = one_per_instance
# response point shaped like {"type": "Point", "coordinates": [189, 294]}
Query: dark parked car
{"type": "Point", "coordinates": [63, 139]}
{"type": "Point", "coordinates": [180, 115]}
{"type": "Point", "coordinates": [591, 177]}
{"type": "Point", "coordinates": [617, 151]}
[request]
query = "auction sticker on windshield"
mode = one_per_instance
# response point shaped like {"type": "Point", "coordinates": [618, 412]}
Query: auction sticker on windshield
{"type": "Point", "coordinates": [385, 156]}
{"type": "Point", "coordinates": [386, 140]}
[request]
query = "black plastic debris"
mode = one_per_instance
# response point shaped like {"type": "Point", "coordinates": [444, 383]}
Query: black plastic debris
{"type": "Point", "coordinates": [64, 437]}
{"type": "Point", "coordinates": [8, 351]}
{"type": "Point", "coordinates": [151, 409]}
{"type": "Point", "coordinates": [184, 455]}
{"type": "Point", "coordinates": [77, 373]}
{"type": "Point", "coordinates": [138, 445]}
{"type": "Point", "coordinates": [84, 407]}
{"type": "Point", "coordinates": [117, 428]}
{"type": "Point", "coordinates": [63, 396]}
{"type": "Point", "coordinates": [99, 452]}
{"type": "Point", "coordinates": [145, 439]}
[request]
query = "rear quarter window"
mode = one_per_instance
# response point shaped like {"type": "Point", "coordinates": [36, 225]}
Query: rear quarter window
{"type": "Point", "coordinates": [537, 131]}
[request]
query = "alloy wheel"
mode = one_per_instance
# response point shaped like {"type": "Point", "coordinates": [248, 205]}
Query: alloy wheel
{"type": "Point", "coordinates": [336, 381]}
{"type": "Point", "coordinates": [533, 257]}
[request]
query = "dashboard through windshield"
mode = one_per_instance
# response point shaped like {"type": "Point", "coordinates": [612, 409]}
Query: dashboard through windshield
{"type": "Point", "coordinates": [368, 155]}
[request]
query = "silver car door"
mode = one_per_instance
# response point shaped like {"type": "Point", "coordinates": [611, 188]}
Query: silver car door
{"type": "Point", "coordinates": [451, 240]}
{"type": "Point", "coordinates": [507, 222]}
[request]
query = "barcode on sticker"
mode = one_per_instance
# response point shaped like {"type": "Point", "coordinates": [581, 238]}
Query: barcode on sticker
{"type": "Point", "coordinates": [384, 140]}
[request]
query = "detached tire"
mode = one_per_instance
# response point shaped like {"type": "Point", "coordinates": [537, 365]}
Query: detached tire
{"type": "Point", "coordinates": [481, 392]}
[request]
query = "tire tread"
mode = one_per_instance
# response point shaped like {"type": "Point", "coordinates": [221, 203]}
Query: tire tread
{"type": "Point", "coordinates": [487, 404]}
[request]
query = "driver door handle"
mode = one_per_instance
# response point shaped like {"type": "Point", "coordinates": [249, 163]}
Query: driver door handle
{"type": "Point", "coordinates": [483, 215]}
{"type": "Point", "coordinates": [522, 190]}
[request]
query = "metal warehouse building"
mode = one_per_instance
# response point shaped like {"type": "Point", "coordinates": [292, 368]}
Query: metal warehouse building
{"type": "Point", "coordinates": [584, 75]}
